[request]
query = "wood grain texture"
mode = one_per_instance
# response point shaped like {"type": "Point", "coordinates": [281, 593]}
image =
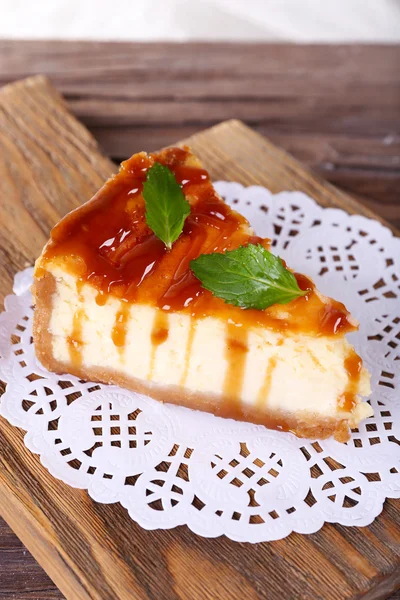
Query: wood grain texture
{"type": "Point", "coordinates": [50, 164]}
{"type": "Point", "coordinates": [21, 577]}
{"type": "Point", "coordinates": [335, 107]}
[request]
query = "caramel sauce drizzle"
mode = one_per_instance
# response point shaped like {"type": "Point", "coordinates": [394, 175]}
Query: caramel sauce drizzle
{"type": "Point", "coordinates": [235, 353]}
{"type": "Point", "coordinates": [263, 394]}
{"type": "Point", "coordinates": [74, 341]}
{"type": "Point", "coordinates": [101, 298]}
{"type": "Point", "coordinates": [188, 352]}
{"type": "Point", "coordinates": [159, 334]}
{"type": "Point", "coordinates": [120, 328]}
{"type": "Point", "coordinates": [108, 244]}
{"type": "Point", "coordinates": [353, 366]}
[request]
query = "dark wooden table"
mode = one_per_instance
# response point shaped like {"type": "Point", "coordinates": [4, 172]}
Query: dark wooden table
{"type": "Point", "coordinates": [337, 108]}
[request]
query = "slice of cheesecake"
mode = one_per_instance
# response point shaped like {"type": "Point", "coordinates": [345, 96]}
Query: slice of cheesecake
{"type": "Point", "coordinates": [115, 305]}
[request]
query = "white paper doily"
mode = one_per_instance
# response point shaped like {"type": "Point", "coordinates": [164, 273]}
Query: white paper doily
{"type": "Point", "coordinates": [171, 466]}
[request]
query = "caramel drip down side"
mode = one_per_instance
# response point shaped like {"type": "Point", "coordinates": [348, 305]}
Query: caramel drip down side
{"type": "Point", "coordinates": [235, 354]}
{"type": "Point", "coordinates": [120, 328]}
{"type": "Point", "coordinates": [353, 366]}
{"type": "Point", "coordinates": [74, 341]}
{"type": "Point", "coordinates": [188, 352]}
{"type": "Point", "coordinates": [159, 334]}
{"type": "Point", "coordinates": [262, 398]}
{"type": "Point", "coordinates": [101, 298]}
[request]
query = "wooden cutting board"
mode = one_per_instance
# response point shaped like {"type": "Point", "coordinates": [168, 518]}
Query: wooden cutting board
{"type": "Point", "coordinates": [49, 164]}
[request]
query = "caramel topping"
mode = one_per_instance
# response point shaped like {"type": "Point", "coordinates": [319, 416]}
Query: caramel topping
{"type": "Point", "coordinates": [160, 329]}
{"type": "Point", "coordinates": [118, 334]}
{"type": "Point", "coordinates": [101, 298]}
{"type": "Point", "coordinates": [74, 341]}
{"type": "Point", "coordinates": [188, 352]}
{"type": "Point", "coordinates": [353, 366]}
{"type": "Point", "coordinates": [108, 244]}
{"type": "Point", "coordinates": [159, 334]}
{"type": "Point", "coordinates": [236, 353]}
{"type": "Point", "coordinates": [262, 398]}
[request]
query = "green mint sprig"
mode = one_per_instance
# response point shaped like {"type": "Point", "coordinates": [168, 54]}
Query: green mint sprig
{"type": "Point", "coordinates": [166, 206]}
{"type": "Point", "coordinates": [249, 277]}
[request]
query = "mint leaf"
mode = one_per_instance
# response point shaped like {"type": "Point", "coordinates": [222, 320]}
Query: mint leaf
{"type": "Point", "coordinates": [249, 277]}
{"type": "Point", "coordinates": [166, 207]}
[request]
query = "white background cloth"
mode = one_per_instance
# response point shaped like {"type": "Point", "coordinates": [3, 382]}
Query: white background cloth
{"type": "Point", "coordinates": [180, 20]}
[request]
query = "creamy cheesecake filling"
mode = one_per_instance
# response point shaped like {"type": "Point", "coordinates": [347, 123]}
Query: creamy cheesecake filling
{"type": "Point", "coordinates": [254, 367]}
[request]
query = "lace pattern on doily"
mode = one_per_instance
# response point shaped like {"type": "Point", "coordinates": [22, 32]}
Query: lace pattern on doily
{"type": "Point", "coordinates": [171, 466]}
